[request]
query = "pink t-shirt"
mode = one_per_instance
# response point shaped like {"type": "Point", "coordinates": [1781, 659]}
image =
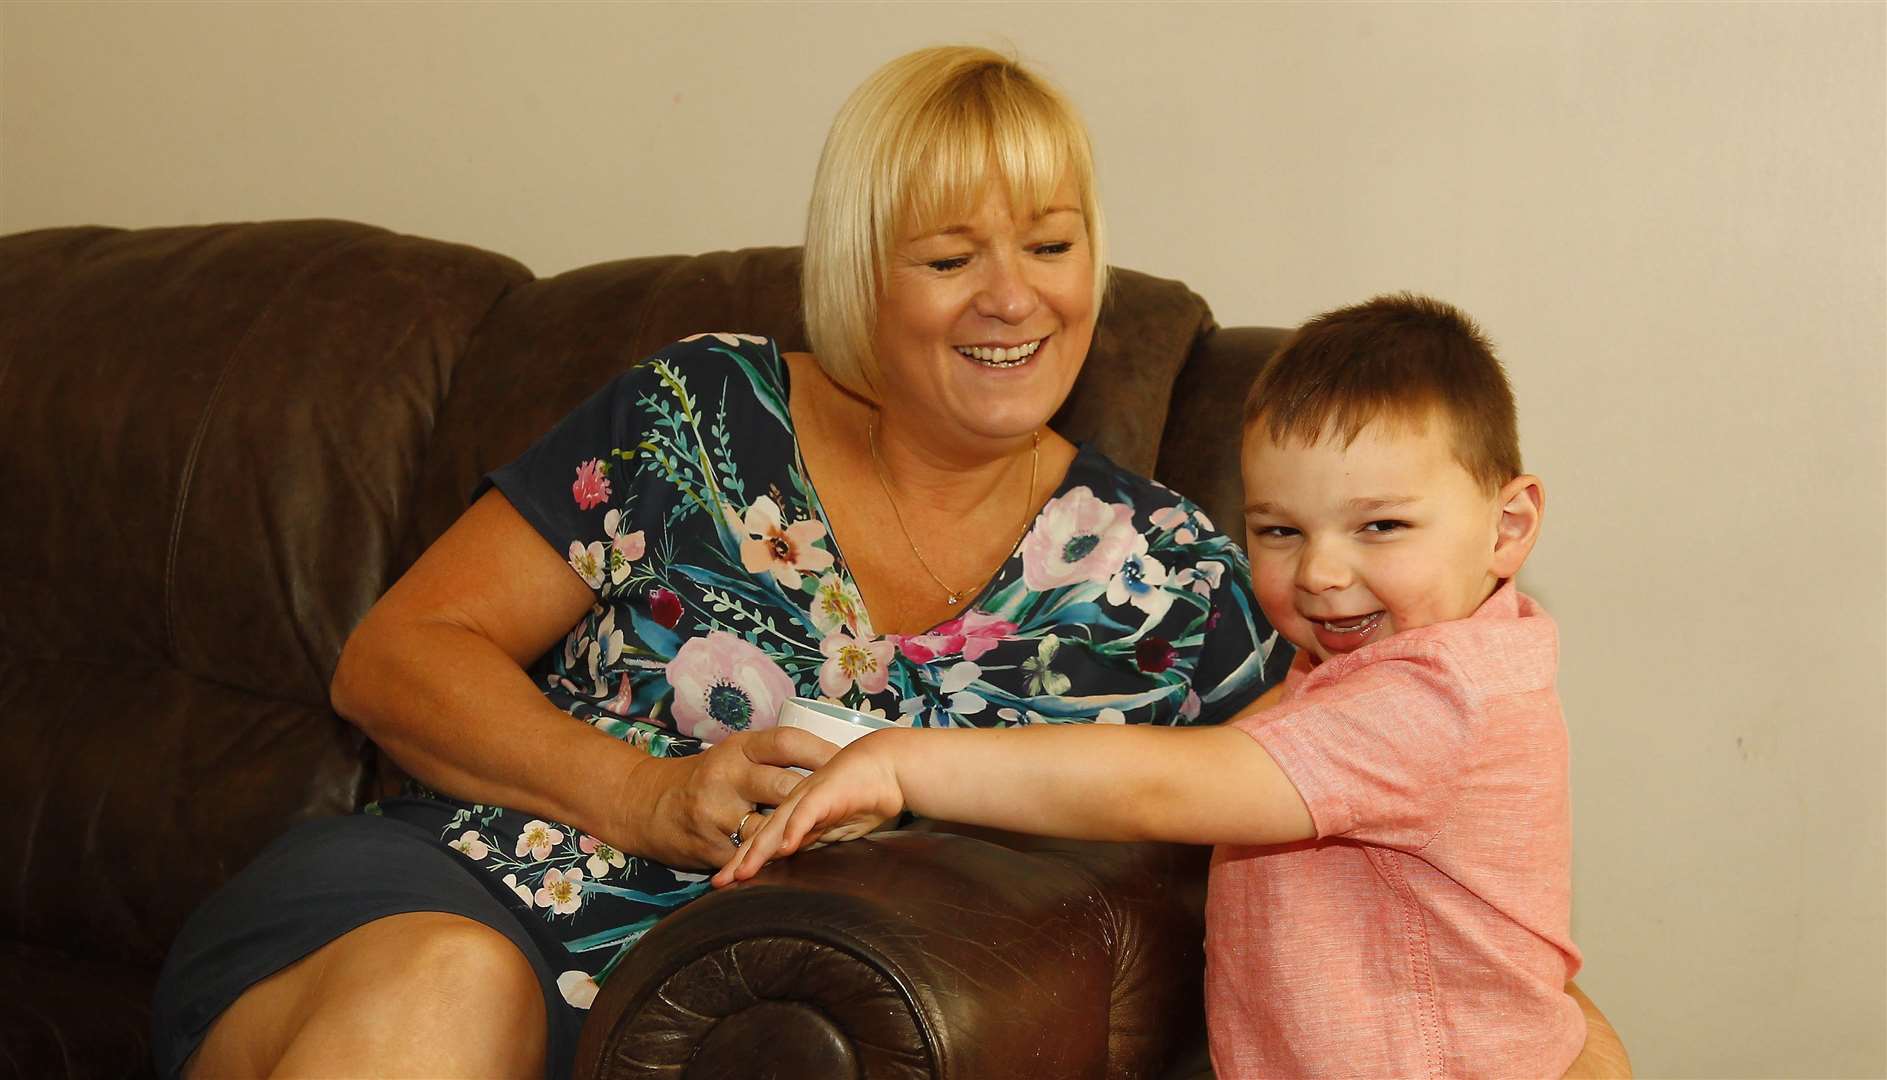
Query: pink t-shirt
{"type": "Point", "coordinates": [1426, 931]}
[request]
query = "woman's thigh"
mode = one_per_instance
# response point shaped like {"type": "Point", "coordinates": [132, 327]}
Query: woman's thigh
{"type": "Point", "coordinates": [320, 883]}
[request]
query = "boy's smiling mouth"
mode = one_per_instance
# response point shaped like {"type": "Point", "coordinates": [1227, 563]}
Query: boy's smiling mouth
{"type": "Point", "coordinates": [1347, 633]}
{"type": "Point", "coordinates": [1361, 624]}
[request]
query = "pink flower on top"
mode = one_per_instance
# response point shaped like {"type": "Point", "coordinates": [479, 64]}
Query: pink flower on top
{"type": "Point", "coordinates": [589, 562]}
{"type": "Point", "coordinates": [624, 547]}
{"type": "Point", "coordinates": [836, 603]}
{"type": "Point", "coordinates": [1168, 517]}
{"type": "Point", "coordinates": [785, 551]}
{"type": "Point", "coordinates": [592, 485]}
{"type": "Point", "coordinates": [1077, 538]}
{"type": "Point", "coordinates": [471, 845]}
{"type": "Point", "coordinates": [1202, 578]}
{"type": "Point", "coordinates": [973, 633]}
{"type": "Point", "coordinates": [864, 662]}
{"type": "Point", "coordinates": [561, 891]}
{"type": "Point", "coordinates": [538, 838]}
{"type": "Point", "coordinates": [724, 684]}
{"type": "Point", "coordinates": [602, 857]}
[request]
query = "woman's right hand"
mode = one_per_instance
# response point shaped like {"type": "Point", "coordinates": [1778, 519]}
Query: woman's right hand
{"type": "Point", "coordinates": [683, 810]}
{"type": "Point", "coordinates": [858, 791]}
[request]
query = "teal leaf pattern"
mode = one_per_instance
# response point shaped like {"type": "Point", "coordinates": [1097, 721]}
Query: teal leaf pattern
{"type": "Point", "coordinates": [720, 594]}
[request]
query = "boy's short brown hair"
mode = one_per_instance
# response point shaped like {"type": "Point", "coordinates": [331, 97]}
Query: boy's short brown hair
{"type": "Point", "coordinates": [1402, 356]}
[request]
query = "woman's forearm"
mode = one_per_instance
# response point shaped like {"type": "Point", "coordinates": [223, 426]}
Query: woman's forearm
{"type": "Point", "coordinates": [453, 710]}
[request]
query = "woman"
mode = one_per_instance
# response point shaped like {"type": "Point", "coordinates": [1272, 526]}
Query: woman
{"type": "Point", "coordinates": [887, 523]}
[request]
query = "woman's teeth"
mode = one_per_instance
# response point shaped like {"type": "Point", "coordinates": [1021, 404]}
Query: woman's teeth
{"type": "Point", "coordinates": [1362, 624]}
{"type": "Point", "coordinates": [1000, 357]}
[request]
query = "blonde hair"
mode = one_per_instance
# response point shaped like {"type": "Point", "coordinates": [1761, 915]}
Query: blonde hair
{"type": "Point", "coordinates": [916, 144]}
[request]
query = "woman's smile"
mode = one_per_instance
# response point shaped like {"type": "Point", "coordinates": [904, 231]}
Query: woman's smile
{"type": "Point", "coordinates": [1001, 356]}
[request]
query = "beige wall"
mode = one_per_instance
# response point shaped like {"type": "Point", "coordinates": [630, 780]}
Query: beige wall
{"type": "Point", "coordinates": [1670, 217]}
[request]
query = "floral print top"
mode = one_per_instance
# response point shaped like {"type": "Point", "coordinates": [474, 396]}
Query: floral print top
{"type": "Point", "coordinates": [678, 494]}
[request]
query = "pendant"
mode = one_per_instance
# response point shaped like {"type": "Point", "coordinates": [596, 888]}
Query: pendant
{"type": "Point", "coordinates": [952, 599]}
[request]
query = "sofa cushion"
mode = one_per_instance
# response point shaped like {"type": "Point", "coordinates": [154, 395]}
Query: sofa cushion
{"type": "Point", "coordinates": [1199, 451]}
{"type": "Point", "coordinates": [209, 441]}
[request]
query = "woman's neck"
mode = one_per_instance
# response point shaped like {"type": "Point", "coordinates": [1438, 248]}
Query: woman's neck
{"type": "Point", "coordinates": [923, 465]}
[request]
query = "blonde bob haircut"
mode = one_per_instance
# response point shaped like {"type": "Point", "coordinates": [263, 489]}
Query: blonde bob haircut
{"type": "Point", "coordinates": [914, 146]}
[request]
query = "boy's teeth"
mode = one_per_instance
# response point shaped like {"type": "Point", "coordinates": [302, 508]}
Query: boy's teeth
{"type": "Point", "coordinates": [1000, 357]}
{"type": "Point", "coordinates": [1350, 626]}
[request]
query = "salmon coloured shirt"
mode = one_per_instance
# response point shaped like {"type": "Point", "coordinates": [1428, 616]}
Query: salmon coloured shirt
{"type": "Point", "coordinates": [1426, 931]}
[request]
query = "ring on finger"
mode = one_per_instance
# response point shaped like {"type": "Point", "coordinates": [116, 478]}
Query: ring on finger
{"type": "Point", "coordinates": [736, 836]}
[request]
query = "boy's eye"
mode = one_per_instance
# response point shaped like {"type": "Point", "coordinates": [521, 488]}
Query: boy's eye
{"type": "Point", "coordinates": [1273, 532]}
{"type": "Point", "coordinates": [1385, 526]}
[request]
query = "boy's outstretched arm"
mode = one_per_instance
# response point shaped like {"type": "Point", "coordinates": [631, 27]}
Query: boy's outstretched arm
{"type": "Point", "coordinates": [1209, 785]}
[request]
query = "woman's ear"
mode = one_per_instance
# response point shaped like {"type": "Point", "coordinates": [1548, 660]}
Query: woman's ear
{"type": "Point", "coordinates": [1522, 505]}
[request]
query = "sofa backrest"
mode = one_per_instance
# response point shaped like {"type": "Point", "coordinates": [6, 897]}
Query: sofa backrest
{"type": "Point", "coordinates": [218, 446]}
{"type": "Point", "coordinates": [550, 343]}
{"type": "Point", "coordinates": [209, 439]}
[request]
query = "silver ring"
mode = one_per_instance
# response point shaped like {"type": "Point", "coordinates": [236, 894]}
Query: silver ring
{"type": "Point", "coordinates": [742, 827]}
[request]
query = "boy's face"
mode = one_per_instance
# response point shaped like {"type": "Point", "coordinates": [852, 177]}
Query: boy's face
{"type": "Point", "coordinates": [1352, 544]}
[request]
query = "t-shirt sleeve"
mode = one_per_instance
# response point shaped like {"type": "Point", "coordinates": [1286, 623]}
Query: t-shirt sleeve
{"type": "Point", "coordinates": [1377, 755]}
{"type": "Point", "coordinates": [566, 484]}
{"type": "Point", "coordinates": [1241, 656]}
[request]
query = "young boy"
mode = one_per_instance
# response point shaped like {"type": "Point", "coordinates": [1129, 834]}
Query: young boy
{"type": "Point", "coordinates": [1391, 891]}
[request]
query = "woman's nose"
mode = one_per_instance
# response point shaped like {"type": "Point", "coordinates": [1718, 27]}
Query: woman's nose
{"type": "Point", "coordinates": [1320, 569]}
{"type": "Point", "coordinates": [1006, 292]}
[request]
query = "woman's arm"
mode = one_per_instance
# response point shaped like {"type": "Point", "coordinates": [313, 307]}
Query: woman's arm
{"type": "Point", "coordinates": [1212, 785]}
{"type": "Point", "coordinates": [435, 676]}
{"type": "Point", "coordinates": [1603, 1057]}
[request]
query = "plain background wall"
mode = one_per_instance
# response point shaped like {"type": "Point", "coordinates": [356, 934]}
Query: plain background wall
{"type": "Point", "coordinates": [1669, 217]}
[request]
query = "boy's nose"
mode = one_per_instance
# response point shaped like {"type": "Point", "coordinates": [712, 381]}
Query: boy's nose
{"type": "Point", "coordinates": [1320, 569]}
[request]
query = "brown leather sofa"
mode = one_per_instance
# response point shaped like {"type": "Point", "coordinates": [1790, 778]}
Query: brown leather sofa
{"type": "Point", "coordinates": [219, 444]}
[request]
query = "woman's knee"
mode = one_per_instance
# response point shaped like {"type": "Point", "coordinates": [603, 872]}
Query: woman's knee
{"type": "Point", "coordinates": [423, 960]}
{"type": "Point", "coordinates": [401, 986]}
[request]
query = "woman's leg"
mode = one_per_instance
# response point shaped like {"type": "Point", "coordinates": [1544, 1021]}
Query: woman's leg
{"type": "Point", "coordinates": [416, 994]}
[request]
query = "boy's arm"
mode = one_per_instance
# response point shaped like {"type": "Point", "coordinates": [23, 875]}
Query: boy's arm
{"type": "Point", "coordinates": [1208, 785]}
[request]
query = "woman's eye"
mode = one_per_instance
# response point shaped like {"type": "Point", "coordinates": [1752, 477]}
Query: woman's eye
{"type": "Point", "coordinates": [1058, 247]}
{"type": "Point", "coordinates": [955, 262]}
{"type": "Point", "coordinates": [1385, 526]}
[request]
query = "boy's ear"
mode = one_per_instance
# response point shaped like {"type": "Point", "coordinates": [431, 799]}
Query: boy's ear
{"type": "Point", "coordinates": [1522, 505]}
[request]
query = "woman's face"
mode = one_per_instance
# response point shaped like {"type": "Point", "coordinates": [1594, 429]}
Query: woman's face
{"type": "Point", "coordinates": [984, 321]}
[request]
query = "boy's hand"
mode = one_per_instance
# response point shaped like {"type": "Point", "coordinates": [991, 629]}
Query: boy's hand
{"type": "Point", "coordinates": [846, 798]}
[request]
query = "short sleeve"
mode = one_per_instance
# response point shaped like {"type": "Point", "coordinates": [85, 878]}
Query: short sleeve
{"type": "Point", "coordinates": [1377, 754]}
{"type": "Point", "coordinates": [1241, 656]}
{"type": "Point", "coordinates": [564, 483]}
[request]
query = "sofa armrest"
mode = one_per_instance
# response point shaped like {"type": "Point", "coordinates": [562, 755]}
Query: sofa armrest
{"type": "Point", "coordinates": [940, 952]}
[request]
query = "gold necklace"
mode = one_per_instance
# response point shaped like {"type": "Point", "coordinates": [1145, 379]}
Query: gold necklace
{"type": "Point", "coordinates": [952, 596]}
